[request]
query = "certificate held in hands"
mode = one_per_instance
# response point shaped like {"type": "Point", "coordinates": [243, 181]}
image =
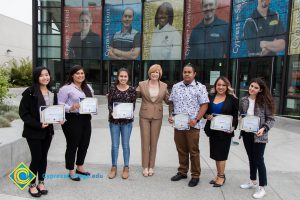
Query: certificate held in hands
{"type": "Point", "coordinates": [221, 123]}
{"type": "Point", "coordinates": [88, 105]}
{"type": "Point", "coordinates": [122, 110]}
{"type": "Point", "coordinates": [181, 122]}
{"type": "Point", "coordinates": [52, 114]}
{"type": "Point", "coordinates": [250, 123]}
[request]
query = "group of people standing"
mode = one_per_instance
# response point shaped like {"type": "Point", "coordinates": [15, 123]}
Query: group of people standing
{"type": "Point", "coordinates": [188, 96]}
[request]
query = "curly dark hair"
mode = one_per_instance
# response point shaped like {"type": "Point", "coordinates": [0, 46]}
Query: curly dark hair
{"type": "Point", "coordinates": [264, 97]}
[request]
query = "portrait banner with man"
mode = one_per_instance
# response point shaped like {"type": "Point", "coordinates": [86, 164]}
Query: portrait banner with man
{"type": "Point", "coordinates": [294, 46]}
{"type": "Point", "coordinates": [122, 31]}
{"type": "Point", "coordinates": [258, 28]}
{"type": "Point", "coordinates": [206, 29]}
{"type": "Point", "coordinates": [82, 32]}
{"type": "Point", "coordinates": [162, 30]}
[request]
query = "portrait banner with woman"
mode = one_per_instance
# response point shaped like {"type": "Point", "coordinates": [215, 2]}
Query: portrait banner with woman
{"type": "Point", "coordinates": [258, 28]}
{"type": "Point", "coordinates": [122, 32]}
{"type": "Point", "coordinates": [162, 30]}
{"type": "Point", "coordinates": [82, 32]}
{"type": "Point", "coordinates": [294, 46]}
{"type": "Point", "coordinates": [206, 29]}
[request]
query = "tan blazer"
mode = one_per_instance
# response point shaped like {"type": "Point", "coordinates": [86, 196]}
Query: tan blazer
{"type": "Point", "coordinates": [149, 109]}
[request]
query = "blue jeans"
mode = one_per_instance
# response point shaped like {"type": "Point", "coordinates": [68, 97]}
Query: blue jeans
{"type": "Point", "coordinates": [115, 131]}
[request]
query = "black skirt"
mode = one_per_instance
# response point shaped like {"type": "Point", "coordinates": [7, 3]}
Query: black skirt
{"type": "Point", "coordinates": [219, 146]}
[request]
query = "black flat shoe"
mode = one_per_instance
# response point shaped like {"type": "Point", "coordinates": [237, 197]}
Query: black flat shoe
{"type": "Point", "coordinates": [74, 177]}
{"type": "Point", "coordinates": [43, 192]}
{"type": "Point", "coordinates": [38, 194]}
{"type": "Point", "coordinates": [220, 185]}
{"type": "Point", "coordinates": [193, 182]}
{"type": "Point", "coordinates": [83, 173]}
{"type": "Point", "coordinates": [178, 177]}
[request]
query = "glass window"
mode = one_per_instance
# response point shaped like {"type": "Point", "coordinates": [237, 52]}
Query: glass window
{"type": "Point", "coordinates": [49, 40]}
{"type": "Point", "coordinates": [117, 2]}
{"type": "Point", "coordinates": [82, 3]}
{"type": "Point", "coordinates": [51, 52]}
{"type": "Point", "coordinates": [49, 14]}
{"type": "Point", "coordinates": [49, 28]}
{"type": "Point", "coordinates": [49, 3]}
{"type": "Point", "coordinates": [292, 103]}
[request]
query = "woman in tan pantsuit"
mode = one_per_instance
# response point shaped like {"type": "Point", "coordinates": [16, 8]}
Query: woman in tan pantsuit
{"type": "Point", "coordinates": [153, 93]}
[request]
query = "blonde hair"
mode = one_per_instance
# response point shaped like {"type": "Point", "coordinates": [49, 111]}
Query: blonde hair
{"type": "Point", "coordinates": [153, 69]}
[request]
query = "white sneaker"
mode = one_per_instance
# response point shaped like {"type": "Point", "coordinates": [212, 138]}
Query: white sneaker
{"type": "Point", "coordinates": [249, 185]}
{"type": "Point", "coordinates": [260, 193]}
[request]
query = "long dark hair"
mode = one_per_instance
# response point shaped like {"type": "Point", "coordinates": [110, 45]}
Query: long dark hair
{"type": "Point", "coordinates": [170, 12]}
{"type": "Point", "coordinates": [85, 88]}
{"type": "Point", "coordinates": [229, 90]}
{"type": "Point", "coordinates": [264, 97]}
{"type": "Point", "coordinates": [36, 75]}
{"type": "Point", "coordinates": [118, 73]}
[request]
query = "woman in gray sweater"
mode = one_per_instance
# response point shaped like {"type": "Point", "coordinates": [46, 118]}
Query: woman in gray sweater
{"type": "Point", "coordinates": [259, 103]}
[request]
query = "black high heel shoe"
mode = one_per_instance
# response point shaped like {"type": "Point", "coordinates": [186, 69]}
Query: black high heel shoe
{"type": "Point", "coordinates": [220, 185]}
{"type": "Point", "coordinates": [213, 181]}
{"type": "Point", "coordinates": [38, 194]}
{"type": "Point", "coordinates": [43, 192]}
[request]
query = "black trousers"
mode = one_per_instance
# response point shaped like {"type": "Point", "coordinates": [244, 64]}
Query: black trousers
{"type": "Point", "coordinates": [39, 151]}
{"type": "Point", "coordinates": [77, 130]}
{"type": "Point", "coordinates": [255, 152]}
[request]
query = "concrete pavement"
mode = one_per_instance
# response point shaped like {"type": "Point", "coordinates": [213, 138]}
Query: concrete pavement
{"type": "Point", "coordinates": [281, 157]}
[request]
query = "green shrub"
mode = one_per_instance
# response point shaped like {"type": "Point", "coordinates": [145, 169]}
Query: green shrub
{"type": "Point", "coordinates": [4, 122]}
{"type": "Point", "coordinates": [3, 84]}
{"type": "Point", "coordinates": [21, 72]}
{"type": "Point", "coordinates": [11, 115]}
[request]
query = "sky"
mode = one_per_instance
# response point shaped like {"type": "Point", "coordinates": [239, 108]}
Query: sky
{"type": "Point", "coordinates": [17, 9]}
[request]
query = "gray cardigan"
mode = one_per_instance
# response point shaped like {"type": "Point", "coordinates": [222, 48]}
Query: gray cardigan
{"type": "Point", "coordinates": [266, 118]}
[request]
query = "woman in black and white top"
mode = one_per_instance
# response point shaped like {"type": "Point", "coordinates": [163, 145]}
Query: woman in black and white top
{"type": "Point", "coordinates": [259, 103]}
{"type": "Point", "coordinates": [121, 92]}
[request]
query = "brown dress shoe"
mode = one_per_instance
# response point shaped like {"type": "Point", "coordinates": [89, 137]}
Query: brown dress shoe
{"type": "Point", "coordinates": [125, 173]}
{"type": "Point", "coordinates": [113, 173]}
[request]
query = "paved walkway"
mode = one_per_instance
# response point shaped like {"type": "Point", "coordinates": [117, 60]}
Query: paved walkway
{"type": "Point", "coordinates": [282, 161]}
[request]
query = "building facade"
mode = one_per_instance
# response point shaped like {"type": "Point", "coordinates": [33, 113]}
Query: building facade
{"type": "Point", "coordinates": [12, 46]}
{"type": "Point", "coordinates": [240, 39]}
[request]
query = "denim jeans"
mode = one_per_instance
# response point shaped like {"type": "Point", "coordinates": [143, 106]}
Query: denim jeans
{"type": "Point", "coordinates": [115, 131]}
{"type": "Point", "coordinates": [255, 152]}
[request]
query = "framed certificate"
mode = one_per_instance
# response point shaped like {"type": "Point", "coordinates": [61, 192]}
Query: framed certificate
{"type": "Point", "coordinates": [52, 114]}
{"type": "Point", "coordinates": [221, 123]}
{"type": "Point", "coordinates": [88, 105]}
{"type": "Point", "coordinates": [181, 121]}
{"type": "Point", "coordinates": [122, 110]}
{"type": "Point", "coordinates": [250, 123]}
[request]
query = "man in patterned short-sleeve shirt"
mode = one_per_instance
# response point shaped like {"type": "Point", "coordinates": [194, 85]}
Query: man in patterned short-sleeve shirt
{"type": "Point", "coordinates": [190, 97]}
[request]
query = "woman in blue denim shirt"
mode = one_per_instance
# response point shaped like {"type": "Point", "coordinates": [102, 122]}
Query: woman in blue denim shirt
{"type": "Point", "coordinates": [123, 93]}
{"type": "Point", "coordinates": [259, 103]}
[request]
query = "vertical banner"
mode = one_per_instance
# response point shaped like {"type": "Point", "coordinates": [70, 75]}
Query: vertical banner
{"type": "Point", "coordinates": [294, 46]}
{"type": "Point", "coordinates": [258, 28]}
{"type": "Point", "coordinates": [162, 30]}
{"type": "Point", "coordinates": [206, 29]}
{"type": "Point", "coordinates": [82, 32]}
{"type": "Point", "coordinates": [122, 32]}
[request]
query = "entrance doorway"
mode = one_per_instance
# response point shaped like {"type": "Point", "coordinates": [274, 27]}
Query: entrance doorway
{"type": "Point", "coordinates": [253, 68]}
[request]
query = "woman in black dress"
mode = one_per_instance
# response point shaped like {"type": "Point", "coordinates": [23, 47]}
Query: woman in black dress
{"type": "Point", "coordinates": [222, 101]}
